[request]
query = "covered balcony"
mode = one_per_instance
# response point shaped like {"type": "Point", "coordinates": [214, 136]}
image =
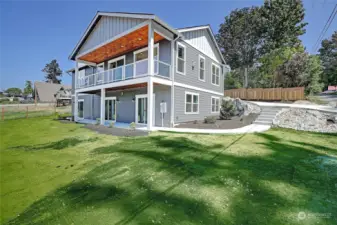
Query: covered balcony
{"type": "Point", "coordinates": [127, 57]}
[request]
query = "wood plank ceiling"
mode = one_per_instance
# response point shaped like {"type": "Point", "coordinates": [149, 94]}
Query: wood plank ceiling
{"type": "Point", "coordinates": [130, 42]}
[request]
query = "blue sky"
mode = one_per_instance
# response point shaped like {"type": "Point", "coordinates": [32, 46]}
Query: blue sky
{"type": "Point", "coordinates": [32, 33]}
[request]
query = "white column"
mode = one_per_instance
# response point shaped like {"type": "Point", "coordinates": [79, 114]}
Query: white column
{"type": "Point", "coordinates": [76, 106]}
{"type": "Point", "coordinates": [150, 103]}
{"type": "Point", "coordinates": [76, 94]}
{"type": "Point", "coordinates": [151, 73]}
{"type": "Point", "coordinates": [150, 50]}
{"type": "Point", "coordinates": [172, 78]}
{"type": "Point", "coordinates": [102, 106]}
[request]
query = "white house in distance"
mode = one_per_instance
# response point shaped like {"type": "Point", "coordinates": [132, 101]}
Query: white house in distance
{"type": "Point", "coordinates": [133, 67]}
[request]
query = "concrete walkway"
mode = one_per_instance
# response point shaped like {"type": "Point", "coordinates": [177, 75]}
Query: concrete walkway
{"type": "Point", "coordinates": [302, 106]}
{"type": "Point", "coordinates": [252, 128]}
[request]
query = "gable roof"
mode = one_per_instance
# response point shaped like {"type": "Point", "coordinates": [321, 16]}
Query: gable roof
{"type": "Point", "coordinates": [99, 14]}
{"type": "Point", "coordinates": [210, 31]}
{"type": "Point", "coordinates": [46, 91]}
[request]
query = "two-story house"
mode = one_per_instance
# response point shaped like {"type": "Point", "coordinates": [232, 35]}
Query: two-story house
{"type": "Point", "coordinates": [134, 67]}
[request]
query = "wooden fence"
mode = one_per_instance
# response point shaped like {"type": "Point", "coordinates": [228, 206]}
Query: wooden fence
{"type": "Point", "coordinates": [27, 111]}
{"type": "Point", "coordinates": [267, 94]}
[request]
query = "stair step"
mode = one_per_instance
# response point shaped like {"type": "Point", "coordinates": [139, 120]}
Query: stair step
{"type": "Point", "coordinates": [265, 117]}
{"type": "Point", "coordinates": [263, 122]}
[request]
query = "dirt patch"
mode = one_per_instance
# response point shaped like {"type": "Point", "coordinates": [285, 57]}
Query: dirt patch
{"type": "Point", "coordinates": [116, 131]}
{"type": "Point", "coordinates": [235, 122]}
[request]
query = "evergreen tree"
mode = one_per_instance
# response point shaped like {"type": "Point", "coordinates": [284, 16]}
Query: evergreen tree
{"type": "Point", "coordinates": [52, 71]}
{"type": "Point", "coordinates": [28, 88]}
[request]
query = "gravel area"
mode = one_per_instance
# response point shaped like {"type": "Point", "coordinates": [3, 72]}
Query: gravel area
{"type": "Point", "coordinates": [307, 120]}
{"type": "Point", "coordinates": [235, 122]}
{"type": "Point", "coordinates": [116, 131]}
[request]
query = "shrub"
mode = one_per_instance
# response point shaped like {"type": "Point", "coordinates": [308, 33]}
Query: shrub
{"type": "Point", "coordinates": [15, 99]}
{"type": "Point", "coordinates": [132, 125]}
{"type": "Point", "coordinates": [111, 124]}
{"type": "Point", "coordinates": [98, 121]}
{"type": "Point", "coordinates": [227, 110]}
{"type": "Point", "coordinates": [210, 119]}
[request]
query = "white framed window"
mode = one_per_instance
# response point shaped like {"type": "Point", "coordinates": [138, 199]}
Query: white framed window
{"type": "Point", "coordinates": [215, 74]}
{"type": "Point", "coordinates": [191, 103]}
{"type": "Point", "coordinates": [215, 107]}
{"type": "Point", "coordinates": [140, 58]}
{"type": "Point", "coordinates": [181, 59]}
{"type": "Point", "coordinates": [80, 108]}
{"type": "Point", "coordinates": [201, 68]}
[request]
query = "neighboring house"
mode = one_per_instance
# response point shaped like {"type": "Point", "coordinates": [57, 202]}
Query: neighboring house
{"type": "Point", "coordinates": [45, 92]}
{"type": "Point", "coordinates": [63, 96]}
{"type": "Point", "coordinates": [131, 67]}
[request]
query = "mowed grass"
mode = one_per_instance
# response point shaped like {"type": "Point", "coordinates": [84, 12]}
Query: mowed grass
{"type": "Point", "coordinates": [55, 173]}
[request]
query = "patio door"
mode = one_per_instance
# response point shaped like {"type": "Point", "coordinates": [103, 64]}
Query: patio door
{"type": "Point", "coordinates": [110, 109]}
{"type": "Point", "coordinates": [141, 109]}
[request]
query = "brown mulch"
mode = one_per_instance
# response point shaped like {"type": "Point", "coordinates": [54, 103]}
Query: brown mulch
{"type": "Point", "coordinates": [235, 122]}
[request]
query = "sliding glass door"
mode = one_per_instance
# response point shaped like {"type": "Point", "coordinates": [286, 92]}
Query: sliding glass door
{"type": "Point", "coordinates": [141, 109]}
{"type": "Point", "coordinates": [110, 109]}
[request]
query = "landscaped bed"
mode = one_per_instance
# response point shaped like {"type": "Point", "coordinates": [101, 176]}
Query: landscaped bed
{"type": "Point", "coordinates": [57, 173]}
{"type": "Point", "coordinates": [234, 122]}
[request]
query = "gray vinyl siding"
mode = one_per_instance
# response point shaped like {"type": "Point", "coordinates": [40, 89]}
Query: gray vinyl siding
{"type": "Point", "coordinates": [191, 76]}
{"type": "Point", "coordinates": [91, 106]}
{"type": "Point", "coordinates": [107, 28]}
{"type": "Point", "coordinates": [202, 40]}
{"type": "Point", "coordinates": [125, 109]}
{"type": "Point", "coordinates": [204, 105]}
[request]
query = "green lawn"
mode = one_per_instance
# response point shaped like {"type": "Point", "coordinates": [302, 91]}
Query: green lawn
{"type": "Point", "coordinates": [55, 173]}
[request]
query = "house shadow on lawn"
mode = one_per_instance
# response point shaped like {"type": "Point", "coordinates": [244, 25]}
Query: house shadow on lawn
{"type": "Point", "coordinates": [57, 145]}
{"type": "Point", "coordinates": [176, 180]}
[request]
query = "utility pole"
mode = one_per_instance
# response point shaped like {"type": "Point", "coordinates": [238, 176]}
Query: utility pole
{"type": "Point", "coordinates": [246, 77]}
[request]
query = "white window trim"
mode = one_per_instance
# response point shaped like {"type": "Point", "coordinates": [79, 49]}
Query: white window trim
{"type": "Point", "coordinates": [116, 59]}
{"type": "Point", "coordinates": [101, 64]}
{"type": "Point", "coordinates": [112, 98]}
{"type": "Point", "coordinates": [143, 50]}
{"type": "Point", "coordinates": [184, 47]}
{"type": "Point", "coordinates": [213, 64]}
{"type": "Point", "coordinates": [218, 98]}
{"type": "Point", "coordinates": [192, 93]}
{"type": "Point", "coordinates": [80, 100]}
{"type": "Point", "coordinates": [199, 68]}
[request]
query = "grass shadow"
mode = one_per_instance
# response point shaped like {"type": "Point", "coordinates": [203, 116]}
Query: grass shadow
{"type": "Point", "coordinates": [57, 145]}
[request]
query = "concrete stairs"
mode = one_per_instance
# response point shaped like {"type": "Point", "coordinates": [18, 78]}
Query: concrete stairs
{"type": "Point", "coordinates": [267, 115]}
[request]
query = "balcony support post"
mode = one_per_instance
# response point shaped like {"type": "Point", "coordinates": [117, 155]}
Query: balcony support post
{"type": "Point", "coordinates": [102, 106]}
{"type": "Point", "coordinates": [150, 67]}
{"type": "Point", "coordinates": [172, 71]}
{"type": "Point", "coordinates": [76, 107]}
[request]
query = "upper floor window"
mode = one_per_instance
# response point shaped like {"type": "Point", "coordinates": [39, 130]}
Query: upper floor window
{"type": "Point", "coordinates": [191, 103]}
{"type": "Point", "coordinates": [201, 68]}
{"type": "Point", "coordinates": [215, 74]}
{"type": "Point", "coordinates": [181, 58]}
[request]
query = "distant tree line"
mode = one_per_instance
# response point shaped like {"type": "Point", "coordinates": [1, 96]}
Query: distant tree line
{"type": "Point", "coordinates": [262, 46]}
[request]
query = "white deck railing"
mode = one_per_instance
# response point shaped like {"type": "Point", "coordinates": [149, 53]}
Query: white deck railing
{"type": "Point", "coordinates": [129, 71]}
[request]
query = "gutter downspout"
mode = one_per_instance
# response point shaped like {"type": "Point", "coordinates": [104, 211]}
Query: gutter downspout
{"type": "Point", "coordinates": [173, 72]}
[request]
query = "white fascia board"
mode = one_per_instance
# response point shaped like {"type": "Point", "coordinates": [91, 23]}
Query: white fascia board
{"type": "Point", "coordinates": [114, 84]}
{"type": "Point", "coordinates": [84, 35]}
{"type": "Point", "coordinates": [145, 23]}
{"type": "Point", "coordinates": [197, 88]}
{"type": "Point", "coordinates": [211, 34]}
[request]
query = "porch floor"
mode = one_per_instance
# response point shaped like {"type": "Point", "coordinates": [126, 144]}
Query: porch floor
{"type": "Point", "coordinates": [106, 123]}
